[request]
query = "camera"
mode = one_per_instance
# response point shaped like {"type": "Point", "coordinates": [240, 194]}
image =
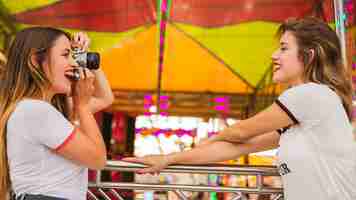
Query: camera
{"type": "Point", "coordinates": [90, 60]}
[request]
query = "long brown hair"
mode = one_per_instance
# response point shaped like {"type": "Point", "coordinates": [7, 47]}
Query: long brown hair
{"type": "Point", "coordinates": [326, 65]}
{"type": "Point", "coordinates": [22, 79]}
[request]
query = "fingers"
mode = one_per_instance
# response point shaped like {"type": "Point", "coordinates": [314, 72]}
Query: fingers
{"type": "Point", "coordinates": [79, 73]}
{"type": "Point", "coordinates": [149, 170]}
{"type": "Point", "coordinates": [203, 143]}
{"type": "Point", "coordinates": [81, 40]}
{"type": "Point", "coordinates": [132, 159]}
{"type": "Point", "coordinates": [88, 74]}
{"type": "Point", "coordinates": [73, 74]}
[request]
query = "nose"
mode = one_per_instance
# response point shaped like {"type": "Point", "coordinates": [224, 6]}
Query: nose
{"type": "Point", "coordinates": [275, 55]}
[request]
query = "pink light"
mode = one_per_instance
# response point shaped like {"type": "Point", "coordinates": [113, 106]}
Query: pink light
{"type": "Point", "coordinates": [164, 6]}
{"type": "Point", "coordinates": [221, 99]}
{"type": "Point", "coordinates": [220, 108]}
{"type": "Point", "coordinates": [163, 97]}
{"type": "Point", "coordinates": [164, 114]}
{"type": "Point", "coordinates": [161, 42]}
{"type": "Point", "coordinates": [163, 106]}
{"type": "Point", "coordinates": [147, 105]}
{"type": "Point", "coordinates": [163, 24]}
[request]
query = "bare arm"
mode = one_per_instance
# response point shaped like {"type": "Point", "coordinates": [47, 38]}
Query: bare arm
{"type": "Point", "coordinates": [273, 118]}
{"type": "Point", "coordinates": [103, 96]}
{"type": "Point", "coordinates": [222, 150]}
{"type": "Point", "coordinates": [86, 147]}
{"type": "Point", "coordinates": [87, 140]}
{"type": "Point", "coordinates": [208, 153]}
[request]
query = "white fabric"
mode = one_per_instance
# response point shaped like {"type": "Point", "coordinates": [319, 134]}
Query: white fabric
{"type": "Point", "coordinates": [34, 130]}
{"type": "Point", "coordinates": [317, 156]}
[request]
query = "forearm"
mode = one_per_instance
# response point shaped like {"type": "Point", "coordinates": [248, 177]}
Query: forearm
{"type": "Point", "coordinates": [207, 154]}
{"type": "Point", "coordinates": [221, 150]}
{"type": "Point", "coordinates": [230, 134]}
{"type": "Point", "coordinates": [89, 127]}
{"type": "Point", "coordinates": [102, 86]}
{"type": "Point", "coordinates": [103, 96]}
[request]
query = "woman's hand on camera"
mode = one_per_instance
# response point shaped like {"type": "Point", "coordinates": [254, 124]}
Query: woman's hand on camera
{"type": "Point", "coordinates": [83, 89]}
{"type": "Point", "coordinates": [155, 163]}
{"type": "Point", "coordinates": [81, 40]}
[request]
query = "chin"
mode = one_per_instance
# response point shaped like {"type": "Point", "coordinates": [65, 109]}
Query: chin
{"type": "Point", "coordinates": [276, 80]}
{"type": "Point", "coordinates": [63, 90]}
{"type": "Point", "coordinates": [279, 80]}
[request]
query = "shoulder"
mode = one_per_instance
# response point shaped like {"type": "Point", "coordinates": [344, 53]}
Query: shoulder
{"type": "Point", "coordinates": [309, 91]}
{"type": "Point", "coordinates": [35, 105]}
{"type": "Point", "coordinates": [33, 108]}
{"type": "Point", "coordinates": [308, 88]}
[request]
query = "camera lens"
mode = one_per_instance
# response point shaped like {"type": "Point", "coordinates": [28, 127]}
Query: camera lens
{"type": "Point", "coordinates": [93, 60]}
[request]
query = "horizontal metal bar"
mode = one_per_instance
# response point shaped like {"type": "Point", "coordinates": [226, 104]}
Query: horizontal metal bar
{"type": "Point", "coordinates": [198, 169]}
{"type": "Point", "coordinates": [172, 187]}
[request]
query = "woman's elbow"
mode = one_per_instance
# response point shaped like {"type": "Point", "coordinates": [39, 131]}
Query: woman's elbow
{"type": "Point", "coordinates": [99, 164]}
{"type": "Point", "coordinates": [102, 163]}
{"type": "Point", "coordinates": [108, 100]}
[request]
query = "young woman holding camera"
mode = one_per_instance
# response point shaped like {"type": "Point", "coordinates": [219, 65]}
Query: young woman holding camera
{"type": "Point", "coordinates": [44, 153]}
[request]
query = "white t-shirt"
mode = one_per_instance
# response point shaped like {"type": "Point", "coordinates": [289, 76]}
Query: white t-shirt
{"type": "Point", "coordinates": [317, 157]}
{"type": "Point", "coordinates": [35, 130]}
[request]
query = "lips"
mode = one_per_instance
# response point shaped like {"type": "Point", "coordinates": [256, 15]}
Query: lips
{"type": "Point", "coordinates": [276, 67]}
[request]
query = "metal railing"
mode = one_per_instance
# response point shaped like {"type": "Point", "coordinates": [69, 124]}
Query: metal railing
{"type": "Point", "coordinates": [104, 188]}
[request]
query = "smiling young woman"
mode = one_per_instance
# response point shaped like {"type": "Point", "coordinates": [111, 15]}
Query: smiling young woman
{"type": "Point", "coordinates": [309, 122]}
{"type": "Point", "coordinates": [43, 153]}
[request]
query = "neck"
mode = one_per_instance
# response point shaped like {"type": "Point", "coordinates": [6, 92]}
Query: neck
{"type": "Point", "coordinates": [47, 96]}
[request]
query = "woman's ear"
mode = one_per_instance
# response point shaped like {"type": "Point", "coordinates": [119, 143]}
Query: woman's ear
{"type": "Point", "coordinates": [37, 57]}
{"type": "Point", "coordinates": [309, 55]}
{"type": "Point", "coordinates": [33, 58]}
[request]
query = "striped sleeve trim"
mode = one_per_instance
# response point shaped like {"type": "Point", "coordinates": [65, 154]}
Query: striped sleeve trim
{"type": "Point", "coordinates": [285, 109]}
{"type": "Point", "coordinates": [69, 138]}
{"type": "Point", "coordinates": [283, 130]}
{"type": "Point", "coordinates": [280, 131]}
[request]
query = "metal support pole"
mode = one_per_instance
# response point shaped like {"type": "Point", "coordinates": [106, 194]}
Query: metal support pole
{"type": "Point", "coordinates": [340, 27]}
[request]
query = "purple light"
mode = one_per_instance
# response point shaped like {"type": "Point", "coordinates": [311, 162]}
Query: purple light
{"type": "Point", "coordinates": [148, 97]}
{"type": "Point", "coordinates": [138, 130]}
{"type": "Point", "coordinates": [353, 65]}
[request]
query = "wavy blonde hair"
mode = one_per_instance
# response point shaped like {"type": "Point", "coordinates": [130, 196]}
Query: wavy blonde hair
{"type": "Point", "coordinates": [326, 65]}
{"type": "Point", "coordinates": [21, 79]}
